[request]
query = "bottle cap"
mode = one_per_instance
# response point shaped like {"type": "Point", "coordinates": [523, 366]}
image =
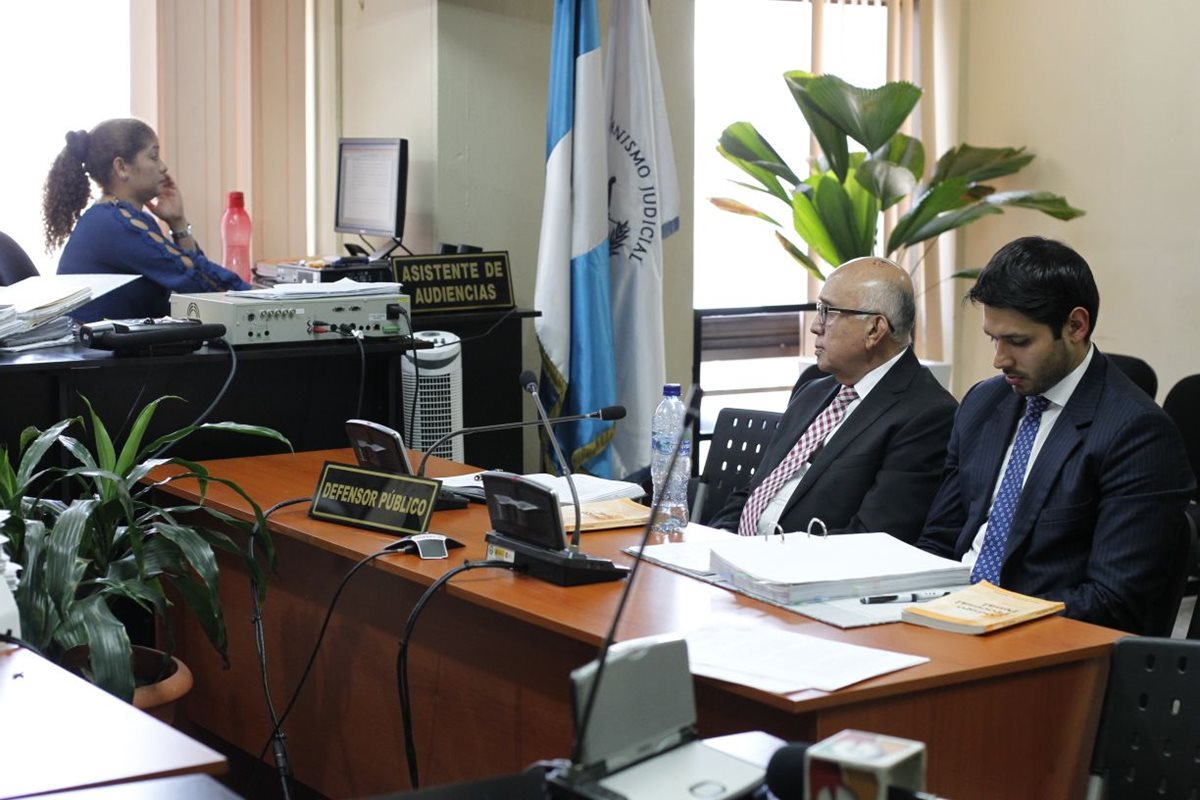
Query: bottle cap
{"type": "Point", "coordinates": [671, 390]}
{"type": "Point", "coordinates": [236, 200]}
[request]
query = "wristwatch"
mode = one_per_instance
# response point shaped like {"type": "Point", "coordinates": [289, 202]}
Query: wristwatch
{"type": "Point", "coordinates": [183, 234]}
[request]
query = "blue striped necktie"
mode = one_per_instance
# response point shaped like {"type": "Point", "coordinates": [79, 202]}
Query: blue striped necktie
{"type": "Point", "coordinates": [991, 555]}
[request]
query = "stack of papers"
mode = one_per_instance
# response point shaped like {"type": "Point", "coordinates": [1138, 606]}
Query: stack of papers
{"type": "Point", "coordinates": [796, 568]}
{"type": "Point", "coordinates": [55, 331]}
{"type": "Point", "coordinates": [343, 288]}
{"type": "Point", "coordinates": [41, 298]}
{"type": "Point", "coordinates": [591, 489]}
{"type": "Point", "coordinates": [781, 662]}
{"type": "Point", "coordinates": [8, 321]}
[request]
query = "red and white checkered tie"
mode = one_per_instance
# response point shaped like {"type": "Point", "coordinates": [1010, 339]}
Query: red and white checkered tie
{"type": "Point", "coordinates": [826, 421]}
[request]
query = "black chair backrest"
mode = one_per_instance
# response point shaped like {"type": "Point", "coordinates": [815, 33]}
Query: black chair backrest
{"type": "Point", "coordinates": [1182, 405]}
{"type": "Point", "coordinates": [1150, 723]}
{"type": "Point", "coordinates": [738, 440]}
{"type": "Point", "coordinates": [15, 263]}
{"type": "Point", "coordinates": [1137, 371]}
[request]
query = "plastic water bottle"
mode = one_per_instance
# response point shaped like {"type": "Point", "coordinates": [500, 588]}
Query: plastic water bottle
{"type": "Point", "coordinates": [235, 236]}
{"type": "Point", "coordinates": [673, 489]}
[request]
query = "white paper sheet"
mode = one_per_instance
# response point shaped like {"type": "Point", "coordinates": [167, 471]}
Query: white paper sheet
{"type": "Point", "coordinates": [782, 662]}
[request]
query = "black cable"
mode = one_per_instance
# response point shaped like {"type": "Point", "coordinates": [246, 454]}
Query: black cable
{"type": "Point", "coordinates": [7, 636]}
{"type": "Point", "coordinates": [357, 336]}
{"type": "Point", "coordinates": [410, 749]}
{"type": "Point", "coordinates": [412, 415]}
{"type": "Point", "coordinates": [282, 760]}
{"type": "Point", "coordinates": [136, 404]}
{"type": "Point", "coordinates": [228, 380]}
{"type": "Point", "coordinates": [321, 636]}
{"type": "Point", "coordinates": [586, 716]}
{"type": "Point", "coordinates": [493, 327]}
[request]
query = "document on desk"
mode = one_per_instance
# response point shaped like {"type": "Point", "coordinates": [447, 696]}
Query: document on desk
{"type": "Point", "coordinates": [343, 288]}
{"type": "Point", "coordinates": [591, 489]}
{"type": "Point", "coordinates": [782, 662]}
{"type": "Point", "coordinates": [796, 568]}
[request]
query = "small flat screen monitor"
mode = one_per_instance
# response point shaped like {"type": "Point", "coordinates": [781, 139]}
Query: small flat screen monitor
{"type": "Point", "coordinates": [372, 188]}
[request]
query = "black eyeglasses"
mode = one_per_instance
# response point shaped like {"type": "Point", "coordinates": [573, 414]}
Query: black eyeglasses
{"type": "Point", "coordinates": [824, 310]}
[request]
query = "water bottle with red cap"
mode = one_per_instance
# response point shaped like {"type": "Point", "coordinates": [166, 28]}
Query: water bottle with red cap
{"type": "Point", "coordinates": [235, 236]}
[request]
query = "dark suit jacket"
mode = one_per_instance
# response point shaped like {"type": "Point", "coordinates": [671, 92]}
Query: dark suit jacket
{"type": "Point", "coordinates": [1100, 523]}
{"type": "Point", "coordinates": [880, 470]}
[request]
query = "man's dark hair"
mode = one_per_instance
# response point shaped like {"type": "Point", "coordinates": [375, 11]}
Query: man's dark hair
{"type": "Point", "coordinates": [1042, 279]}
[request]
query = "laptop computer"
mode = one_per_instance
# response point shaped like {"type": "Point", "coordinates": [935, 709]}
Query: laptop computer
{"type": "Point", "coordinates": [641, 742]}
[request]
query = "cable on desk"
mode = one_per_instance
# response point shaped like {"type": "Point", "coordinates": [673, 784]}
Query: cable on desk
{"type": "Point", "coordinates": [493, 327]}
{"type": "Point", "coordinates": [312, 657]}
{"type": "Point", "coordinates": [204, 415]}
{"type": "Point", "coordinates": [410, 749]}
{"type": "Point", "coordinates": [278, 737]}
{"type": "Point", "coordinates": [357, 335]}
{"type": "Point", "coordinates": [412, 415]}
{"type": "Point", "coordinates": [7, 637]}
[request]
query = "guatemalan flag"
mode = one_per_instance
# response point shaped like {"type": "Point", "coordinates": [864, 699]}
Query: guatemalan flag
{"type": "Point", "coordinates": [572, 292]}
{"type": "Point", "coordinates": [643, 210]}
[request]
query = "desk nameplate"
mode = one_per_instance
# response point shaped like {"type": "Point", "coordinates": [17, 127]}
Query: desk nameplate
{"type": "Point", "coordinates": [456, 281]}
{"type": "Point", "coordinates": [367, 498]}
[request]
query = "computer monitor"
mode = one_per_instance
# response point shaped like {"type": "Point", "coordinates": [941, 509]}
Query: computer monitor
{"type": "Point", "coordinates": [372, 188]}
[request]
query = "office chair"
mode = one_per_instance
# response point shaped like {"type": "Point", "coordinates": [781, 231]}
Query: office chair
{"type": "Point", "coordinates": [15, 263]}
{"type": "Point", "coordinates": [1182, 405]}
{"type": "Point", "coordinates": [1150, 722]}
{"type": "Point", "coordinates": [1137, 371]}
{"type": "Point", "coordinates": [738, 440]}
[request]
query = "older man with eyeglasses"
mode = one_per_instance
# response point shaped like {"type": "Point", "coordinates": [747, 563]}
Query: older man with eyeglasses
{"type": "Point", "coordinates": [861, 449]}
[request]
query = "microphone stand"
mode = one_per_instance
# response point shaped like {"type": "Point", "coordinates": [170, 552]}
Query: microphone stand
{"type": "Point", "coordinates": [531, 388]}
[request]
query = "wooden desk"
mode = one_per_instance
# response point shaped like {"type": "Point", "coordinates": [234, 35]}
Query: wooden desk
{"type": "Point", "coordinates": [1012, 714]}
{"type": "Point", "coordinates": [59, 732]}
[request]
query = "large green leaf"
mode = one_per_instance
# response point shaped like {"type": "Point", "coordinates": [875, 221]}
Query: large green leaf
{"type": "Point", "coordinates": [808, 223]}
{"type": "Point", "coordinates": [976, 164]}
{"type": "Point", "coordinates": [832, 139]}
{"type": "Point", "coordinates": [106, 454]}
{"type": "Point", "coordinates": [837, 212]}
{"type": "Point", "coordinates": [742, 141]}
{"type": "Point", "coordinates": [110, 654]}
{"type": "Point", "coordinates": [889, 182]}
{"type": "Point", "coordinates": [233, 427]}
{"type": "Point", "coordinates": [949, 221]}
{"type": "Point", "coordinates": [35, 450]}
{"type": "Point", "coordinates": [868, 116]}
{"type": "Point", "coordinates": [63, 570]}
{"type": "Point", "coordinates": [133, 442]}
{"type": "Point", "coordinates": [941, 198]}
{"type": "Point", "coordinates": [1053, 204]}
{"type": "Point", "coordinates": [866, 214]}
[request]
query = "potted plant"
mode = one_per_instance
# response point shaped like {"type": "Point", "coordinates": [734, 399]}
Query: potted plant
{"type": "Point", "coordinates": [113, 544]}
{"type": "Point", "coordinates": [835, 209]}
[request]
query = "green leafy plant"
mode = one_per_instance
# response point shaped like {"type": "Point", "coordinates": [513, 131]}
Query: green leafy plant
{"type": "Point", "coordinates": [113, 544]}
{"type": "Point", "coordinates": [835, 209]}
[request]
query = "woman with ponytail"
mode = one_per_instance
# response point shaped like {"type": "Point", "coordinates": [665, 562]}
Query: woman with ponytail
{"type": "Point", "coordinates": [117, 234]}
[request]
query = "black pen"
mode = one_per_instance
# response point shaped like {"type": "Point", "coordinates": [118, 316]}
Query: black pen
{"type": "Point", "coordinates": [907, 597]}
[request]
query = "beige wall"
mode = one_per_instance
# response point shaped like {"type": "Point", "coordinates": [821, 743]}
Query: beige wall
{"type": "Point", "coordinates": [1105, 92]}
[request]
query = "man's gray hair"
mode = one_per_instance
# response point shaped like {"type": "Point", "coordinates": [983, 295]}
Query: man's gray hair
{"type": "Point", "coordinates": [895, 302]}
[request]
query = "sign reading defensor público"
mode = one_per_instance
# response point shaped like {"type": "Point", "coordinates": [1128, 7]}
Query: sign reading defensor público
{"type": "Point", "coordinates": [456, 282]}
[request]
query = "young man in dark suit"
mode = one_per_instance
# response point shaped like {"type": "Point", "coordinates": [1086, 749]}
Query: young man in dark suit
{"type": "Point", "coordinates": [862, 449]}
{"type": "Point", "coordinates": [1063, 479]}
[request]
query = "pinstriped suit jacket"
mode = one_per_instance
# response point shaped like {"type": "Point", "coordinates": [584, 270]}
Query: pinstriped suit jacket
{"type": "Point", "coordinates": [1100, 523]}
{"type": "Point", "coordinates": [880, 470]}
